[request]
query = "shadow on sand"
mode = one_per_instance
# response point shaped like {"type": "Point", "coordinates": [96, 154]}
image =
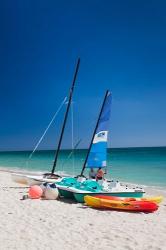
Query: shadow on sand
{"type": "Point", "coordinates": [15, 187]}
{"type": "Point", "coordinates": [67, 200]}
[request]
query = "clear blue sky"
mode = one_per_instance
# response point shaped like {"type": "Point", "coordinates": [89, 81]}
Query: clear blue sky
{"type": "Point", "coordinates": [122, 45]}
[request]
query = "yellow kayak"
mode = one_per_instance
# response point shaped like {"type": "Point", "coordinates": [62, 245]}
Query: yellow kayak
{"type": "Point", "coordinates": [156, 199]}
{"type": "Point", "coordinates": [133, 206]}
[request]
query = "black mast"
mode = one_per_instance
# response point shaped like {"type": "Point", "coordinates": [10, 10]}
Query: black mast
{"type": "Point", "coordinates": [66, 115]}
{"type": "Point", "coordinates": [107, 92]}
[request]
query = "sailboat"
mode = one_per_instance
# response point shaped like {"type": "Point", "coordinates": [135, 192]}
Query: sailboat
{"type": "Point", "coordinates": [50, 177]}
{"type": "Point", "coordinates": [97, 158]}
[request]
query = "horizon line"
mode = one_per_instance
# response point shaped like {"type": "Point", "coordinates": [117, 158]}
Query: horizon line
{"type": "Point", "coordinates": [130, 147]}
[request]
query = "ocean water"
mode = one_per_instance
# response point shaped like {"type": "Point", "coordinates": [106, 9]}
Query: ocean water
{"type": "Point", "coordinates": [146, 166]}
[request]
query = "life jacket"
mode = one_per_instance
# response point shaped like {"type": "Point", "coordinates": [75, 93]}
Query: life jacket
{"type": "Point", "coordinates": [100, 173]}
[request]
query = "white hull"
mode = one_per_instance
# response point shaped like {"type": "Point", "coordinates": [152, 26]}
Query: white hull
{"type": "Point", "coordinates": [107, 187]}
{"type": "Point", "coordinates": [31, 180]}
{"type": "Point", "coordinates": [38, 180]}
{"type": "Point", "coordinates": [76, 190]}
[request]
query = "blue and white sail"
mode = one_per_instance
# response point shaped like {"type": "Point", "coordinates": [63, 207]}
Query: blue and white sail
{"type": "Point", "coordinates": [98, 152]}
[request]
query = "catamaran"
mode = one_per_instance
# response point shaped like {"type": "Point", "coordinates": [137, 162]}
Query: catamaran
{"type": "Point", "coordinates": [97, 158]}
{"type": "Point", "coordinates": [52, 176]}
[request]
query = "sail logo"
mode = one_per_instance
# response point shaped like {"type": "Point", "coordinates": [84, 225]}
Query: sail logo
{"type": "Point", "coordinates": [101, 137]}
{"type": "Point", "coordinates": [102, 134]}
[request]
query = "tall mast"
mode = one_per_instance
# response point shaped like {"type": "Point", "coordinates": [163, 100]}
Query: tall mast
{"type": "Point", "coordinates": [89, 149]}
{"type": "Point", "coordinates": [65, 117]}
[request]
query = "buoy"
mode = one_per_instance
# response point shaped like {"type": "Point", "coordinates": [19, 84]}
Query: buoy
{"type": "Point", "coordinates": [51, 192]}
{"type": "Point", "coordinates": [35, 192]}
{"type": "Point", "coordinates": [44, 185]}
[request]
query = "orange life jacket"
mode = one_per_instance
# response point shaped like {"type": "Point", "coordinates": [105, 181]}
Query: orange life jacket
{"type": "Point", "coordinates": [100, 173]}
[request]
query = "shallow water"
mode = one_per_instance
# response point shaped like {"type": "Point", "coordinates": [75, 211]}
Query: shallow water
{"type": "Point", "coordinates": [145, 166]}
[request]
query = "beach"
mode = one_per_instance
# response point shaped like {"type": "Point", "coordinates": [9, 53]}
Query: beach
{"type": "Point", "coordinates": [61, 224]}
{"type": "Point", "coordinates": [83, 96]}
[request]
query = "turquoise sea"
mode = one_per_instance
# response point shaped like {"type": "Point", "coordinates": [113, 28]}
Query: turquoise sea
{"type": "Point", "coordinates": [146, 166]}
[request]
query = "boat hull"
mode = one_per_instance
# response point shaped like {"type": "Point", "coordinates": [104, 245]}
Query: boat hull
{"type": "Point", "coordinates": [65, 193]}
{"type": "Point", "coordinates": [31, 180]}
{"type": "Point", "coordinates": [133, 206]}
{"type": "Point", "coordinates": [39, 180]}
{"type": "Point", "coordinates": [80, 196]}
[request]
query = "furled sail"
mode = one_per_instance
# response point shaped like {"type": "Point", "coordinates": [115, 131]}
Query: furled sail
{"type": "Point", "coordinates": [98, 152]}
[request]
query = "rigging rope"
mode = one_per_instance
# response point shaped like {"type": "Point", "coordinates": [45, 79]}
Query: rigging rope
{"type": "Point", "coordinates": [70, 154]}
{"type": "Point", "coordinates": [53, 118]}
{"type": "Point", "coordinates": [72, 135]}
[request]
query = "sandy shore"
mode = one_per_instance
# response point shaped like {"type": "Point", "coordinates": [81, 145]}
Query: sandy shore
{"type": "Point", "coordinates": [41, 224]}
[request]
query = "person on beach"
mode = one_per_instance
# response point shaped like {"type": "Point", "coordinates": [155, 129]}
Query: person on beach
{"type": "Point", "coordinates": [100, 174]}
{"type": "Point", "coordinates": [92, 174]}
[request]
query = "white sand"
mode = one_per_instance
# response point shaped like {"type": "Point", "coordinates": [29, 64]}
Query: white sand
{"type": "Point", "coordinates": [41, 224]}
